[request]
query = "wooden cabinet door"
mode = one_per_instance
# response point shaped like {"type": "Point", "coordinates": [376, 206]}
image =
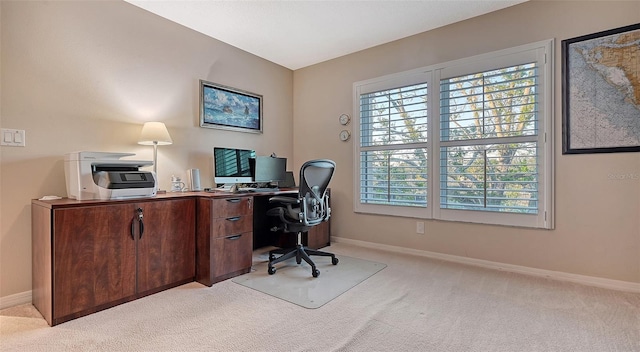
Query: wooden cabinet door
{"type": "Point", "coordinates": [166, 248]}
{"type": "Point", "coordinates": [94, 261]}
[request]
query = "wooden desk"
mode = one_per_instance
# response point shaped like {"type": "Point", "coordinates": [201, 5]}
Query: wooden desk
{"type": "Point", "coordinates": [94, 254]}
{"type": "Point", "coordinates": [230, 228]}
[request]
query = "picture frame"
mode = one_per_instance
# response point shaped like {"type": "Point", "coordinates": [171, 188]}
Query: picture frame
{"type": "Point", "coordinates": [601, 92]}
{"type": "Point", "coordinates": [228, 108]}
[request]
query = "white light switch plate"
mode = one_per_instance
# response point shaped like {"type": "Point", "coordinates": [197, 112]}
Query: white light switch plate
{"type": "Point", "coordinates": [12, 138]}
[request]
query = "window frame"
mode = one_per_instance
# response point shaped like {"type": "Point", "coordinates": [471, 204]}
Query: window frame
{"type": "Point", "coordinates": [542, 53]}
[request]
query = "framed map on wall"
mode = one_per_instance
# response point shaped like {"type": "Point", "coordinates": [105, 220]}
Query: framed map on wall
{"type": "Point", "coordinates": [601, 92]}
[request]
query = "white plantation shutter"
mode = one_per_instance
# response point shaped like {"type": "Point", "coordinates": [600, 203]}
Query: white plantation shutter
{"type": "Point", "coordinates": [390, 121]}
{"type": "Point", "coordinates": [489, 140]}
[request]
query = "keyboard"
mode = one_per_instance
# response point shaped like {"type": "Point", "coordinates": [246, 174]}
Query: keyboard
{"type": "Point", "coordinates": [265, 189]}
{"type": "Point", "coordinates": [246, 189]}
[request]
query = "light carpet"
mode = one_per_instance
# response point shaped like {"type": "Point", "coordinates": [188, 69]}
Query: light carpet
{"type": "Point", "coordinates": [414, 304]}
{"type": "Point", "coordinates": [294, 283]}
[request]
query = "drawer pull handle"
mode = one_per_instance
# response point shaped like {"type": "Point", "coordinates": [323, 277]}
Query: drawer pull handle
{"type": "Point", "coordinates": [233, 237]}
{"type": "Point", "coordinates": [233, 200]}
{"type": "Point", "coordinates": [235, 218]}
{"type": "Point", "coordinates": [140, 224]}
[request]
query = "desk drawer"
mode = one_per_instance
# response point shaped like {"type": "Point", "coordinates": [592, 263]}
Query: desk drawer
{"type": "Point", "coordinates": [232, 255]}
{"type": "Point", "coordinates": [229, 207]}
{"type": "Point", "coordinates": [232, 225]}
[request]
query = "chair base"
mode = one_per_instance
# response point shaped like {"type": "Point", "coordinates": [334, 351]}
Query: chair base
{"type": "Point", "coordinates": [301, 253]}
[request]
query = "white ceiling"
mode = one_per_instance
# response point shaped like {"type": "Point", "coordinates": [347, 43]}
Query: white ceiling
{"type": "Point", "coordinates": [299, 33]}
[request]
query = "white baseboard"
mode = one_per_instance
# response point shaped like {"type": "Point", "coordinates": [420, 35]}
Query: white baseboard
{"type": "Point", "coordinates": [14, 300]}
{"type": "Point", "coordinates": [556, 275]}
{"type": "Point", "coordinates": [25, 297]}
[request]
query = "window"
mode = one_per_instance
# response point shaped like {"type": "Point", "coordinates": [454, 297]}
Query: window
{"type": "Point", "coordinates": [461, 141]}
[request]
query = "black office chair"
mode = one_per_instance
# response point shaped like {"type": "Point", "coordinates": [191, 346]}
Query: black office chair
{"type": "Point", "coordinates": [298, 215]}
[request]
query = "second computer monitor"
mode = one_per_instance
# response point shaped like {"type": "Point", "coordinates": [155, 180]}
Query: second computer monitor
{"type": "Point", "coordinates": [266, 169]}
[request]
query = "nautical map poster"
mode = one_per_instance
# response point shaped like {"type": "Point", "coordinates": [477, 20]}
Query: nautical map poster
{"type": "Point", "coordinates": [229, 108]}
{"type": "Point", "coordinates": [601, 92]}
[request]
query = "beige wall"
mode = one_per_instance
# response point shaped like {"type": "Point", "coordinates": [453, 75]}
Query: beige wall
{"type": "Point", "coordinates": [82, 75]}
{"type": "Point", "coordinates": [597, 217]}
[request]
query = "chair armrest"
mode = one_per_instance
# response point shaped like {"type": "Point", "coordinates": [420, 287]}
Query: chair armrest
{"type": "Point", "coordinates": [284, 200]}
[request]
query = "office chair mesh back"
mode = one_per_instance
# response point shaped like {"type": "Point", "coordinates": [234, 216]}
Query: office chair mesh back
{"type": "Point", "coordinates": [315, 176]}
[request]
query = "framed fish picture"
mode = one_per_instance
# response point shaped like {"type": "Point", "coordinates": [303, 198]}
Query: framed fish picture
{"type": "Point", "coordinates": [229, 108]}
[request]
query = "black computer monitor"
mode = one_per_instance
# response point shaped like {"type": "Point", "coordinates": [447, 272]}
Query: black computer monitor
{"type": "Point", "coordinates": [266, 169]}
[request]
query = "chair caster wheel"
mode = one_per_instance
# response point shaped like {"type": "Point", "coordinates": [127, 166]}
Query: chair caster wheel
{"type": "Point", "coordinates": [334, 261]}
{"type": "Point", "coordinates": [271, 257]}
{"type": "Point", "coordinates": [315, 273]}
{"type": "Point", "coordinates": [271, 270]}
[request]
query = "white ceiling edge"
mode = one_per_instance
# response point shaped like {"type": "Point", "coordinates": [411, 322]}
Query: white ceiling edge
{"type": "Point", "coordinates": [300, 33]}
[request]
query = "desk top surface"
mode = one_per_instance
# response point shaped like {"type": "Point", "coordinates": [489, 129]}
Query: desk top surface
{"type": "Point", "coordinates": [67, 202]}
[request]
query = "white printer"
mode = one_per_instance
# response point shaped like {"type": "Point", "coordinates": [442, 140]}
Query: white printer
{"type": "Point", "coordinates": [99, 175]}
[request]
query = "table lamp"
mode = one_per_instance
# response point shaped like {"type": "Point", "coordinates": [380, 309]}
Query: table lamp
{"type": "Point", "coordinates": [155, 134]}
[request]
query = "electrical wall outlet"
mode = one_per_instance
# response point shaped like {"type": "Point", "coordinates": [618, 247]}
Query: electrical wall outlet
{"type": "Point", "coordinates": [12, 138]}
{"type": "Point", "coordinates": [420, 227]}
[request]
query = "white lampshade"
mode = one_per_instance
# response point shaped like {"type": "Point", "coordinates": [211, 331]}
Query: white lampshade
{"type": "Point", "coordinates": [154, 133]}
